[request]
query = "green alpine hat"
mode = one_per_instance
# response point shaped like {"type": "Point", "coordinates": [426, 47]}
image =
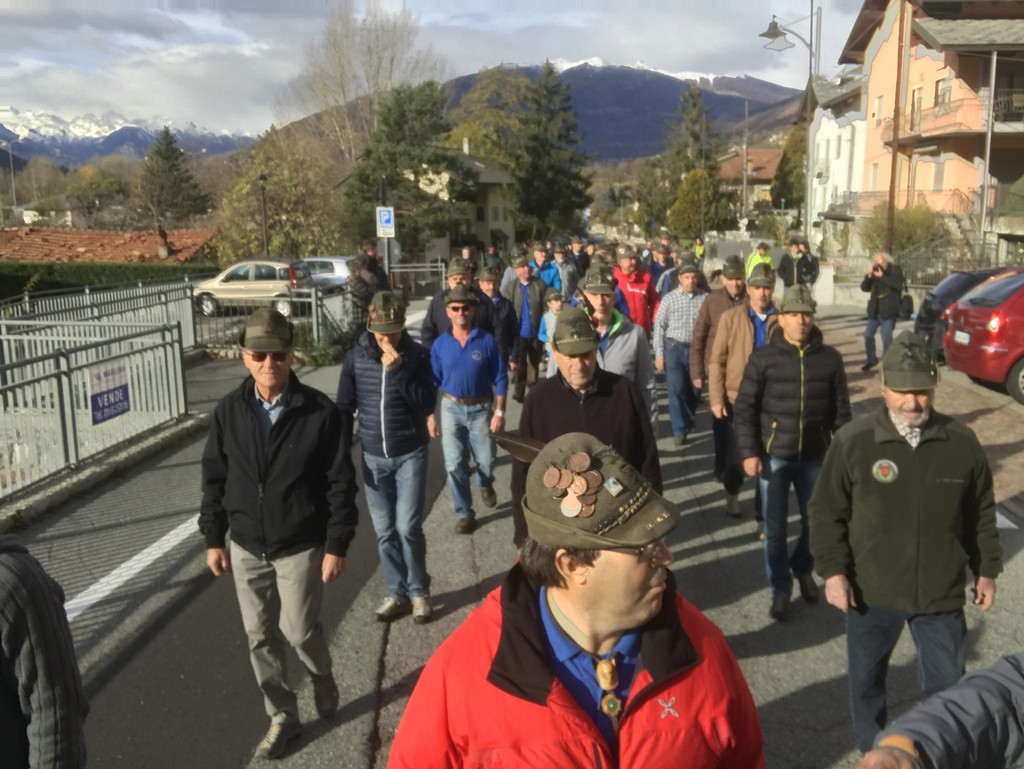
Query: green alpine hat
{"type": "Point", "coordinates": [798, 299]}
{"type": "Point", "coordinates": [908, 364]}
{"type": "Point", "coordinates": [457, 266]}
{"type": "Point", "coordinates": [599, 280]}
{"type": "Point", "coordinates": [491, 270]}
{"type": "Point", "coordinates": [387, 313]}
{"type": "Point", "coordinates": [762, 276]}
{"type": "Point", "coordinates": [733, 268]}
{"type": "Point", "coordinates": [581, 493]}
{"type": "Point", "coordinates": [574, 333]}
{"type": "Point", "coordinates": [625, 251]}
{"type": "Point", "coordinates": [521, 261]}
{"type": "Point", "coordinates": [552, 293]}
{"type": "Point", "coordinates": [266, 330]}
{"type": "Point", "coordinates": [461, 294]}
{"type": "Point", "coordinates": [687, 265]}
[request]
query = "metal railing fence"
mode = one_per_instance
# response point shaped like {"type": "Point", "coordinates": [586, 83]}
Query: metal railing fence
{"type": "Point", "coordinates": [83, 396]}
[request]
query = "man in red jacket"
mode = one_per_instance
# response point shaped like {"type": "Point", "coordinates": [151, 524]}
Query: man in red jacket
{"type": "Point", "coordinates": [636, 284]}
{"type": "Point", "coordinates": [586, 655]}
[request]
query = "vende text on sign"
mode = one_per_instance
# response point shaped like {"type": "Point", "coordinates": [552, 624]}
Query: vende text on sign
{"type": "Point", "coordinates": [108, 387]}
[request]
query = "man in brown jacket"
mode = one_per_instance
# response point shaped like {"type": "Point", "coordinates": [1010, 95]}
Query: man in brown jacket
{"type": "Point", "coordinates": [741, 330]}
{"type": "Point", "coordinates": [731, 294]}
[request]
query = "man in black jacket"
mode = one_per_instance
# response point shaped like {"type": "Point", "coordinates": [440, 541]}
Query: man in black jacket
{"type": "Point", "coordinates": [277, 471]}
{"type": "Point", "coordinates": [388, 380]}
{"type": "Point", "coordinates": [527, 297]}
{"type": "Point", "coordinates": [884, 280]}
{"type": "Point", "coordinates": [437, 322]}
{"type": "Point", "coordinates": [792, 398]}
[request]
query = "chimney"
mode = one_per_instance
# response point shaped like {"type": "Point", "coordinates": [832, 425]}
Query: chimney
{"type": "Point", "coordinates": [465, 145]}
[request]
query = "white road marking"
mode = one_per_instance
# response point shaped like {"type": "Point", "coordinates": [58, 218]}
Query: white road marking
{"type": "Point", "coordinates": [415, 318]}
{"type": "Point", "coordinates": [100, 590]}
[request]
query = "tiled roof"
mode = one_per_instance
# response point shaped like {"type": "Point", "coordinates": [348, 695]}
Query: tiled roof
{"type": "Point", "coordinates": [763, 164]}
{"type": "Point", "coordinates": [54, 244]}
{"type": "Point", "coordinates": [971, 34]}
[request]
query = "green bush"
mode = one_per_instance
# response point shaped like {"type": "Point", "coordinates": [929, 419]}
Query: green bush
{"type": "Point", "coordinates": [911, 226]}
{"type": "Point", "coordinates": [22, 277]}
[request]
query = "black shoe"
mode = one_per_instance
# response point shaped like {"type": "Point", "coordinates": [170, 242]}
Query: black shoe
{"type": "Point", "coordinates": [465, 526]}
{"type": "Point", "coordinates": [718, 475]}
{"type": "Point", "coordinates": [808, 588]}
{"type": "Point", "coordinates": [517, 398]}
{"type": "Point", "coordinates": [275, 743]}
{"type": "Point", "coordinates": [325, 695]}
{"type": "Point", "coordinates": [780, 601]}
{"type": "Point", "coordinates": [679, 440]}
{"type": "Point", "coordinates": [869, 365]}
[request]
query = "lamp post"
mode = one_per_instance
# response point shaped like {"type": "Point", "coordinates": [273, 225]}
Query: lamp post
{"type": "Point", "coordinates": [777, 41]}
{"type": "Point", "coordinates": [262, 179]}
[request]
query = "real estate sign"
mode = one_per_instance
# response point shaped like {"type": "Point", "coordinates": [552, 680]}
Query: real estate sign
{"type": "Point", "coordinates": [108, 388]}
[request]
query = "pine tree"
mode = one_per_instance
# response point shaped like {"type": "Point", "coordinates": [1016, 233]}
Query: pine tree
{"type": "Point", "coordinates": [789, 182]}
{"type": "Point", "coordinates": [167, 188]}
{"type": "Point", "coordinates": [550, 185]}
{"type": "Point", "coordinates": [427, 184]}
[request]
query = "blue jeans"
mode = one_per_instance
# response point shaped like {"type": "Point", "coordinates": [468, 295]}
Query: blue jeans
{"type": "Point", "coordinates": [396, 492]}
{"type": "Point", "coordinates": [777, 475]}
{"type": "Point", "coordinates": [871, 635]}
{"type": "Point", "coordinates": [874, 324]}
{"type": "Point", "coordinates": [682, 395]}
{"type": "Point", "coordinates": [464, 430]}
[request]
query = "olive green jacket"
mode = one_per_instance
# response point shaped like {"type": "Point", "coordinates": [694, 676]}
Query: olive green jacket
{"type": "Point", "coordinates": [902, 523]}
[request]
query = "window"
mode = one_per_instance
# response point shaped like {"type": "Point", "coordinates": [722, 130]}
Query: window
{"type": "Point", "coordinates": [878, 110]}
{"type": "Point", "coordinates": [938, 175]}
{"type": "Point", "coordinates": [481, 215]}
{"type": "Point", "coordinates": [494, 213]}
{"type": "Point", "coordinates": [266, 272]}
{"type": "Point", "coordinates": [239, 273]}
{"type": "Point", "coordinates": [839, 148]}
{"type": "Point", "coordinates": [874, 177]}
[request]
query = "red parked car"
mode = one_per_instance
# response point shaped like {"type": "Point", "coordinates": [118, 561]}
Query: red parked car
{"type": "Point", "coordinates": [985, 339]}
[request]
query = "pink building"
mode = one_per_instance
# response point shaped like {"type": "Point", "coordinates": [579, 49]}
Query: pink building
{"type": "Point", "coordinates": [960, 137]}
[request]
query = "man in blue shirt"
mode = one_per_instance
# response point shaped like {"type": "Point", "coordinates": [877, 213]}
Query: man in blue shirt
{"type": "Point", "coordinates": [469, 371]}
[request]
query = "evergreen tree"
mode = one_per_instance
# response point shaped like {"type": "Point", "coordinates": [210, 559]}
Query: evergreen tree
{"type": "Point", "coordinates": [427, 184]}
{"type": "Point", "coordinates": [167, 188]}
{"type": "Point", "coordinates": [548, 169]}
{"type": "Point", "coordinates": [696, 208]}
{"type": "Point", "coordinates": [790, 180]}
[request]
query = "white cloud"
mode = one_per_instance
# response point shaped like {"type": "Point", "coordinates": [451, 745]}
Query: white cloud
{"type": "Point", "coordinates": [224, 64]}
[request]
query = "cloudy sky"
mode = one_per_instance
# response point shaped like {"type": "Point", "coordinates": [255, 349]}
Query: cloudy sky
{"type": "Point", "coordinates": [225, 64]}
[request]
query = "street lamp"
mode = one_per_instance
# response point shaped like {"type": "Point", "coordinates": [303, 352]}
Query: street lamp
{"type": "Point", "coordinates": [262, 179]}
{"type": "Point", "coordinates": [777, 41]}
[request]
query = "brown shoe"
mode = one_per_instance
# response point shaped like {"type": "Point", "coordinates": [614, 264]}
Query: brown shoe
{"type": "Point", "coordinates": [465, 526]}
{"type": "Point", "coordinates": [489, 497]}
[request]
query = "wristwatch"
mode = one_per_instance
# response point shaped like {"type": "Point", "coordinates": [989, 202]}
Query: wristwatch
{"type": "Point", "coordinates": [499, 413]}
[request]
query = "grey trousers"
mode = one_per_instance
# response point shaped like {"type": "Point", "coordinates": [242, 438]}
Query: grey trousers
{"type": "Point", "coordinates": [280, 602]}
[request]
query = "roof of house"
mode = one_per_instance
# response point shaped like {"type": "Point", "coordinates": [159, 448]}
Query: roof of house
{"type": "Point", "coordinates": [763, 163]}
{"type": "Point", "coordinates": [53, 244]}
{"type": "Point", "coordinates": [832, 91]}
{"type": "Point", "coordinates": [971, 34]}
{"type": "Point", "coordinates": [489, 171]}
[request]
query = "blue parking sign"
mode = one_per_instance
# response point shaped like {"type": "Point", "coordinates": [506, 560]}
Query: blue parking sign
{"type": "Point", "coordinates": [385, 222]}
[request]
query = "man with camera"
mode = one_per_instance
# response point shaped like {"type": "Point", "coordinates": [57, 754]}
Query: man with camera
{"type": "Point", "coordinates": [884, 280]}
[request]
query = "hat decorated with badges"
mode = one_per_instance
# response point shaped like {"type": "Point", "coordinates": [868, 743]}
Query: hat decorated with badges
{"type": "Point", "coordinates": [457, 266]}
{"type": "Point", "coordinates": [762, 276]}
{"type": "Point", "coordinates": [581, 493]}
{"type": "Point", "coordinates": [387, 313]}
{"type": "Point", "coordinates": [552, 293]}
{"type": "Point", "coordinates": [523, 260]}
{"type": "Point", "coordinates": [798, 299]}
{"type": "Point", "coordinates": [599, 280]}
{"type": "Point", "coordinates": [266, 330]}
{"type": "Point", "coordinates": [461, 294]}
{"type": "Point", "coordinates": [908, 364]}
{"type": "Point", "coordinates": [574, 333]}
{"type": "Point", "coordinates": [687, 265]}
{"type": "Point", "coordinates": [733, 268]}
{"type": "Point", "coordinates": [625, 251]}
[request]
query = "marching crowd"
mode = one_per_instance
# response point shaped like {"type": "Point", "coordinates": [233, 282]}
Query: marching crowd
{"type": "Point", "coordinates": [588, 653]}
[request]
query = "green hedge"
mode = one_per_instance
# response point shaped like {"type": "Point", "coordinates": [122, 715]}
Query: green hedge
{"type": "Point", "coordinates": [21, 277]}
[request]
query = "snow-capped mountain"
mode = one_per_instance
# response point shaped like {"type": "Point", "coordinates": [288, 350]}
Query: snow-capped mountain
{"type": "Point", "coordinates": [74, 141]}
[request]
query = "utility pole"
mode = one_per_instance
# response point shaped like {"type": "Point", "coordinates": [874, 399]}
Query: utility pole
{"type": "Point", "coordinates": [387, 241]}
{"type": "Point", "coordinates": [746, 160]}
{"type": "Point", "coordinates": [897, 114]}
{"type": "Point", "coordinates": [262, 179]}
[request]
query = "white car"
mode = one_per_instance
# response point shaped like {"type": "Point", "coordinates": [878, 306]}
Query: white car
{"type": "Point", "coordinates": [257, 279]}
{"type": "Point", "coordinates": [329, 273]}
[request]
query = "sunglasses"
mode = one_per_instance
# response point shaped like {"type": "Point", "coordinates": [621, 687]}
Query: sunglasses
{"type": "Point", "coordinates": [646, 554]}
{"type": "Point", "coordinates": [460, 307]}
{"type": "Point", "coordinates": [259, 357]}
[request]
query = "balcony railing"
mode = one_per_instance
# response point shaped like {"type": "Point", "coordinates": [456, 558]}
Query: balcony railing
{"type": "Point", "coordinates": [941, 201]}
{"type": "Point", "coordinates": [959, 116]}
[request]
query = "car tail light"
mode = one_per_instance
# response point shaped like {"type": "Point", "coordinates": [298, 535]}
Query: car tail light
{"type": "Point", "coordinates": [994, 323]}
{"type": "Point", "coordinates": [291, 276]}
{"type": "Point", "coordinates": [948, 312]}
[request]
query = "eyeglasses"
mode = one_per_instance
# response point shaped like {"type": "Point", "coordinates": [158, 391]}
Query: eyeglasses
{"type": "Point", "coordinates": [646, 554]}
{"type": "Point", "coordinates": [460, 307]}
{"type": "Point", "coordinates": [259, 357]}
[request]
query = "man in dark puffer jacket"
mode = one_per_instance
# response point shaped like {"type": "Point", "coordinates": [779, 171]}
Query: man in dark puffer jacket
{"type": "Point", "coordinates": [388, 380]}
{"type": "Point", "coordinates": [793, 397]}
